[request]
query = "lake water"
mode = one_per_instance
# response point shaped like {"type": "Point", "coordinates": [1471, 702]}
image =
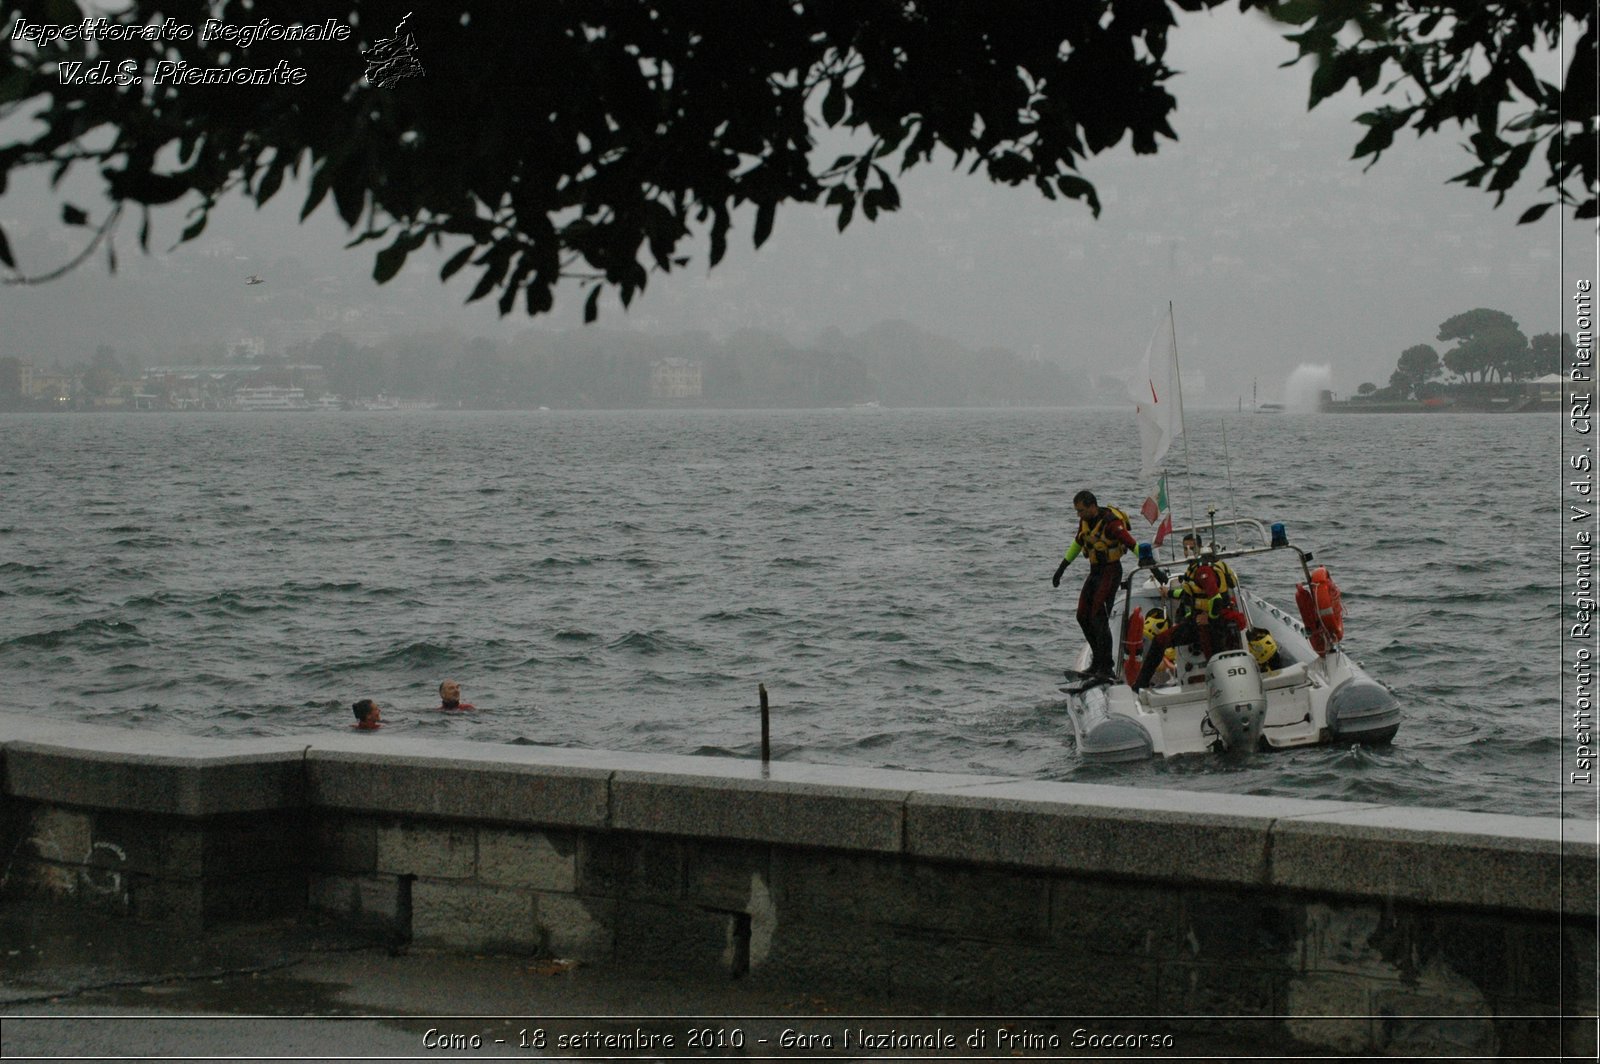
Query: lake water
{"type": "Point", "coordinates": [625, 580]}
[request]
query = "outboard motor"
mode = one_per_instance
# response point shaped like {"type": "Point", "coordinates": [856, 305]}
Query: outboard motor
{"type": "Point", "coordinates": [1236, 704]}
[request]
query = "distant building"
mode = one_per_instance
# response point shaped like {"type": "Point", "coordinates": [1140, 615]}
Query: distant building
{"type": "Point", "coordinates": [194, 387]}
{"type": "Point", "coordinates": [16, 379]}
{"type": "Point", "coordinates": [675, 378]}
{"type": "Point", "coordinates": [248, 348]}
{"type": "Point", "coordinates": [234, 385]}
{"type": "Point", "coordinates": [51, 387]}
{"type": "Point", "coordinates": [1546, 389]}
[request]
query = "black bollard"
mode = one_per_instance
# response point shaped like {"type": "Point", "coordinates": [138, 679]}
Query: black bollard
{"type": "Point", "coordinates": [766, 746]}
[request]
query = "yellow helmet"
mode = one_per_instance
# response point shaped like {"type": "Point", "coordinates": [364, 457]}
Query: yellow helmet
{"type": "Point", "coordinates": [1262, 646]}
{"type": "Point", "coordinates": [1156, 623]}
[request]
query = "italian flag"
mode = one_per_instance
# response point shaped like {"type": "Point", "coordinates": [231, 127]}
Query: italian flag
{"type": "Point", "coordinates": [1158, 512]}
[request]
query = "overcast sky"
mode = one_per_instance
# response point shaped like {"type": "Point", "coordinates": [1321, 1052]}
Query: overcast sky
{"type": "Point", "coordinates": [1275, 248]}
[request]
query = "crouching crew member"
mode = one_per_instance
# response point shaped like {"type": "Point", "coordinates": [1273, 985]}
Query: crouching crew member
{"type": "Point", "coordinates": [1206, 621]}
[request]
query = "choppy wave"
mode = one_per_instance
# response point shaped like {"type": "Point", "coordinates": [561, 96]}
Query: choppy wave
{"type": "Point", "coordinates": [627, 581]}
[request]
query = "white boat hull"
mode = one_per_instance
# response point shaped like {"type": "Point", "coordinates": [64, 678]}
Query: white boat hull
{"type": "Point", "coordinates": [1313, 700]}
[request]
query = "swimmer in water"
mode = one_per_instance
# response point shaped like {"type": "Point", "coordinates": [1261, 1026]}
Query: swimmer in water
{"type": "Point", "coordinates": [368, 716]}
{"type": "Point", "coordinates": [450, 698]}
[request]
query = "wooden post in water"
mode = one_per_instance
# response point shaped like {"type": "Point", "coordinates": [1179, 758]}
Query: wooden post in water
{"type": "Point", "coordinates": [766, 745]}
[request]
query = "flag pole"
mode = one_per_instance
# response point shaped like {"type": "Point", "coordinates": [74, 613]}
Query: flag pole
{"type": "Point", "coordinates": [1177, 374]}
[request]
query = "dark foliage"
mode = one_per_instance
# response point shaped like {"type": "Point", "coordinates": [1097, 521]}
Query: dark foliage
{"type": "Point", "coordinates": [1465, 63]}
{"type": "Point", "coordinates": [593, 139]}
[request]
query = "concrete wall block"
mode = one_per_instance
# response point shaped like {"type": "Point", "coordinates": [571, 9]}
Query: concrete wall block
{"type": "Point", "coordinates": [1522, 1032]}
{"type": "Point", "coordinates": [816, 958]}
{"type": "Point", "coordinates": [719, 876]}
{"type": "Point", "coordinates": [333, 893]}
{"type": "Point", "coordinates": [1512, 956]}
{"type": "Point", "coordinates": [1578, 948]}
{"type": "Point", "coordinates": [1344, 939]}
{"type": "Point", "coordinates": [1436, 857]}
{"type": "Point", "coordinates": [64, 835]}
{"type": "Point", "coordinates": [179, 902]}
{"type": "Point", "coordinates": [256, 896]}
{"type": "Point", "coordinates": [751, 810]}
{"type": "Point", "coordinates": [184, 846]}
{"type": "Point", "coordinates": [438, 852]}
{"type": "Point", "coordinates": [964, 975]}
{"type": "Point", "coordinates": [99, 878]}
{"type": "Point", "coordinates": [989, 904]}
{"type": "Point", "coordinates": [262, 842]}
{"type": "Point", "coordinates": [345, 844]}
{"type": "Point", "coordinates": [383, 897]}
{"type": "Point", "coordinates": [1383, 951]}
{"type": "Point", "coordinates": [480, 782]}
{"type": "Point", "coordinates": [146, 843]}
{"type": "Point", "coordinates": [1025, 895]}
{"type": "Point", "coordinates": [1485, 945]}
{"type": "Point", "coordinates": [1358, 970]}
{"type": "Point", "coordinates": [26, 878]}
{"type": "Point", "coordinates": [1123, 917]}
{"type": "Point", "coordinates": [115, 769]}
{"type": "Point", "coordinates": [466, 916]}
{"type": "Point", "coordinates": [576, 927]}
{"type": "Point", "coordinates": [848, 887]}
{"type": "Point", "coordinates": [1221, 926]}
{"type": "Point", "coordinates": [371, 901]}
{"type": "Point", "coordinates": [16, 816]}
{"type": "Point", "coordinates": [998, 906]}
{"type": "Point", "coordinates": [1087, 828]}
{"type": "Point", "coordinates": [1199, 988]}
{"type": "Point", "coordinates": [681, 938]}
{"type": "Point", "coordinates": [1413, 1022]}
{"type": "Point", "coordinates": [637, 867]}
{"type": "Point", "coordinates": [536, 859]}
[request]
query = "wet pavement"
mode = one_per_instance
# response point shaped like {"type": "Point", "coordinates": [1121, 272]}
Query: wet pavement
{"type": "Point", "coordinates": [85, 987]}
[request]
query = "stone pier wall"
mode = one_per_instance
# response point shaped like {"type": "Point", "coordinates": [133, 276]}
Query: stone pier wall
{"type": "Point", "coordinates": [1352, 927]}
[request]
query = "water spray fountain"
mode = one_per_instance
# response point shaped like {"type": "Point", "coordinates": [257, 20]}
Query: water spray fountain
{"type": "Point", "coordinates": [1302, 392]}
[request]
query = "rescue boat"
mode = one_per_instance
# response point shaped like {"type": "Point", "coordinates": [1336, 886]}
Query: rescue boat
{"type": "Point", "coordinates": [1310, 693]}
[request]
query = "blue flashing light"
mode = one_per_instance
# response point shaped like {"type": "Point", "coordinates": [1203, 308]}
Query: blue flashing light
{"type": "Point", "coordinates": [1280, 538]}
{"type": "Point", "coordinates": [1147, 554]}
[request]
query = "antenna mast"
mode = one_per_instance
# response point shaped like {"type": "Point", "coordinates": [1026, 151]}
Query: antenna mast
{"type": "Point", "coordinates": [1188, 472]}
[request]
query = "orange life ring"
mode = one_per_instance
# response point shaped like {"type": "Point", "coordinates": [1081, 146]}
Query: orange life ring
{"type": "Point", "coordinates": [1329, 603]}
{"type": "Point", "coordinates": [1321, 610]}
{"type": "Point", "coordinates": [1132, 644]}
{"type": "Point", "coordinates": [1308, 617]}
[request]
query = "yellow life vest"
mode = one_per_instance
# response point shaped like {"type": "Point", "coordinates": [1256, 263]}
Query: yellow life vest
{"type": "Point", "coordinates": [1196, 586]}
{"type": "Point", "coordinates": [1097, 545]}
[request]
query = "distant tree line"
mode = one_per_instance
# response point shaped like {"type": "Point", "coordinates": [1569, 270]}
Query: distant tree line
{"type": "Point", "coordinates": [1488, 344]}
{"type": "Point", "coordinates": [894, 363]}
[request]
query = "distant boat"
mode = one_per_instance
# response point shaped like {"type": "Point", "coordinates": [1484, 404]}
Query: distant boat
{"type": "Point", "coordinates": [255, 280]}
{"type": "Point", "coordinates": [385, 402]}
{"type": "Point", "coordinates": [271, 397]}
{"type": "Point", "coordinates": [1261, 408]}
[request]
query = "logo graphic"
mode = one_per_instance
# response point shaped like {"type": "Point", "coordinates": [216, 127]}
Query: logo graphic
{"type": "Point", "coordinates": [393, 58]}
